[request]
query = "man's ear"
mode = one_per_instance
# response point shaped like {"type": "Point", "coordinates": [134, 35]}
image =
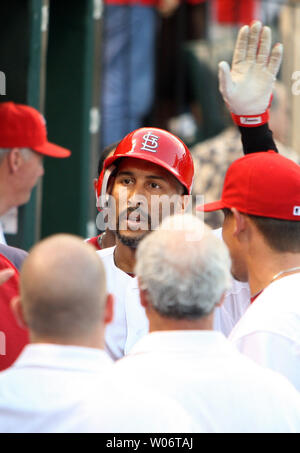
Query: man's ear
{"type": "Point", "coordinates": [221, 300]}
{"type": "Point", "coordinates": [109, 309]}
{"type": "Point", "coordinates": [15, 160]}
{"type": "Point", "coordinates": [239, 222]}
{"type": "Point", "coordinates": [17, 309]}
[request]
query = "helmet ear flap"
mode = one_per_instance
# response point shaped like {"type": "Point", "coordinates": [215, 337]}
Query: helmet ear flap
{"type": "Point", "coordinates": [102, 186]}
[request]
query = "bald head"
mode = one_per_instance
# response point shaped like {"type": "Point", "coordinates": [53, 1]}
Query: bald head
{"type": "Point", "coordinates": [63, 288]}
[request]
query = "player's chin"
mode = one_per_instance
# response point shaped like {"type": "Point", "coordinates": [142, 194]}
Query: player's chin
{"type": "Point", "coordinates": [25, 198]}
{"type": "Point", "coordinates": [134, 228]}
{"type": "Point", "coordinates": [131, 239]}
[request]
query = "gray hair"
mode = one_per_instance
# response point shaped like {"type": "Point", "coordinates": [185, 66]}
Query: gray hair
{"type": "Point", "coordinates": [26, 153]}
{"type": "Point", "coordinates": [184, 268]}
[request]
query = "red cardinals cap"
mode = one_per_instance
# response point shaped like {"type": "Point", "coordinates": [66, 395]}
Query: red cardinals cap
{"type": "Point", "coordinates": [22, 126]}
{"type": "Point", "coordinates": [264, 184]}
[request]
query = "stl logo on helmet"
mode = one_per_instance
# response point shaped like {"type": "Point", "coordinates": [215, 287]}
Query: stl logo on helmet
{"type": "Point", "coordinates": [150, 142]}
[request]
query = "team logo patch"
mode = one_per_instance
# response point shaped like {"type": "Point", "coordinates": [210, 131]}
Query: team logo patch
{"type": "Point", "coordinates": [296, 210]}
{"type": "Point", "coordinates": [150, 142]}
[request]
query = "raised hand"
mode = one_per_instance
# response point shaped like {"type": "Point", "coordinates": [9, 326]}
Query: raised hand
{"type": "Point", "coordinates": [247, 88]}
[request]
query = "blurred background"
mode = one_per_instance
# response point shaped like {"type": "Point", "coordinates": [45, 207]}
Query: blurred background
{"type": "Point", "coordinates": [98, 69]}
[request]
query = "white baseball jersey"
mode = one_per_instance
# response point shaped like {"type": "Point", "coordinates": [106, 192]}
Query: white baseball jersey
{"type": "Point", "coordinates": [269, 331]}
{"type": "Point", "coordinates": [222, 390]}
{"type": "Point", "coordinates": [130, 322]}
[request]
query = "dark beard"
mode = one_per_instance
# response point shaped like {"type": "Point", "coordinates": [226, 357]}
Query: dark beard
{"type": "Point", "coordinates": [130, 242]}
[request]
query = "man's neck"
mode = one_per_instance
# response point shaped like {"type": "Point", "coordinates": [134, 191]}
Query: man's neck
{"type": "Point", "coordinates": [160, 323]}
{"type": "Point", "coordinates": [262, 269]}
{"type": "Point", "coordinates": [124, 257]}
{"type": "Point", "coordinates": [5, 205]}
{"type": "Point", "coordinates": [108, 239]}
{"type": "Point", "coordinates": [93, 343]}
{"type": "Point", "coordinates": [7, 200]}
{"type": "Point", "coordinates": [3, 209]}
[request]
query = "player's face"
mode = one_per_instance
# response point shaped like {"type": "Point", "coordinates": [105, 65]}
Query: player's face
{"type": "Point", "coordinates": [238, 262]}
{"type": "Point", "coordinates": [137, 188]}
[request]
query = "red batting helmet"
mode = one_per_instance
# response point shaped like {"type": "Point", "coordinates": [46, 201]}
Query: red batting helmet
{"type": "Point", "coordinates": [154, 145]}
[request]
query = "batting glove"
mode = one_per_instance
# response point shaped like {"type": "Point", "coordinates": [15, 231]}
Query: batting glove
{"type": "Point", "coordinates": [247, 88]}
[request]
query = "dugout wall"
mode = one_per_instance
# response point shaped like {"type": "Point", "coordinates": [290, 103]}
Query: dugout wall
{"type": "Point", "coordinates": [49, 54]}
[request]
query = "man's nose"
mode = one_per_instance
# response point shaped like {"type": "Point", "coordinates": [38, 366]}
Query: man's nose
{"type": "Point", "coordinates": [137, 199]}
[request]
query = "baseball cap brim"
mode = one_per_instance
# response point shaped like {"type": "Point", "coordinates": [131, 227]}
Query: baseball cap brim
{"type": "Point", "coordinates": [52, 150]}
{"type": "Point", "coordinates": [209, 207]}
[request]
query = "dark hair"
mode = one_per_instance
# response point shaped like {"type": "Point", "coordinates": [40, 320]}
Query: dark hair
{"type": "Point", "coordinates": [105, 152]}
{"type": "Point", "coordinates": [227, 212]}
{"type": "Point", "coordinates": [281, 235]}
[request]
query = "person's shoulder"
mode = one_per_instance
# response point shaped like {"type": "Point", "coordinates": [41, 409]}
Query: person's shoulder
{"type": "Point", "coordinates": [275, 312]}
{"type": "Point", "coordinates": [94, 242]}
{"type": "Point", "coordinates": [13, 254]}
{"type": "Point", "coordinates": [106, 252]}
{"type": "Point", "coordinates": [281, 296]}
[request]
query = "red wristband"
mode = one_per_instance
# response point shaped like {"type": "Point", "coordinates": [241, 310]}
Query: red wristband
{"type": "Point", "coordinates": [251, 120]}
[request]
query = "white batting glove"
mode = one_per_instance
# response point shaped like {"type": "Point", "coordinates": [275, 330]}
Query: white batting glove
{"type": "Point", "coordinates": [247, 88]}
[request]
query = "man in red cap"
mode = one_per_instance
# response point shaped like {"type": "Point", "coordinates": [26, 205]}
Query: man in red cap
{"type": "Point", "coordinates": [23, 144]}
{"type": "Point", "coordinates": [261, 202]}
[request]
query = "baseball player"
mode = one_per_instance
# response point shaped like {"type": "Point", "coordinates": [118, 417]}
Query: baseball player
{"type": "Point", "coordinates": [159, 164]}
{"type": "Point", "coordinates": [261, 201]}
{"type": "Point", "coordinates": [151, 162]}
